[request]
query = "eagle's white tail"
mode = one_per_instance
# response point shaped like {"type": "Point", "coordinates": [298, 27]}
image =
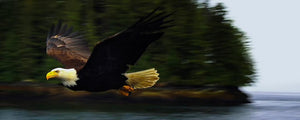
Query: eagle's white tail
{"type": "Point", "coordinates": [142, 79]}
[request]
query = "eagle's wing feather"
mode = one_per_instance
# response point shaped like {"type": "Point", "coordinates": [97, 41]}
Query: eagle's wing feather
{"type": "Point", "coordinates": [115, 53]}
{"type": "Point", "coordinates": [67, 47]}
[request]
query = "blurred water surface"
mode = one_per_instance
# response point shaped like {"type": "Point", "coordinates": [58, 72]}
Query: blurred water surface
{"type": "Point", "coordinates": [265, 106]}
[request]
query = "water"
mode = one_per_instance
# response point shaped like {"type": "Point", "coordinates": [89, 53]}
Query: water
{"type": "Point", "coordinates": [265, 106]}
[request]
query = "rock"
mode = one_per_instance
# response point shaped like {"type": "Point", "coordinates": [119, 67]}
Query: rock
{"type": "Point", "coordinates": [29, 94]}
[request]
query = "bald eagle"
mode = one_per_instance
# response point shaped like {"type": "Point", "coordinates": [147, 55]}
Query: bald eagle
{"type": "Point", "coordinates": [105, 67]}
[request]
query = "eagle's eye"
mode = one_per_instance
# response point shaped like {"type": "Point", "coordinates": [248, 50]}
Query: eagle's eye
{"type": "Point", "coordinates": [57, 71]}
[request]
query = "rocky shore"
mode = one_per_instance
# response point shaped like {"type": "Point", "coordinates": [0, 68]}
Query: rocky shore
{"type": "Point", "coordinates": [30, 94]}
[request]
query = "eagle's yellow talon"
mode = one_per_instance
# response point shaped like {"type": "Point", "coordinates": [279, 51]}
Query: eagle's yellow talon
{"type": "Point", "coordinates": [126, 90]}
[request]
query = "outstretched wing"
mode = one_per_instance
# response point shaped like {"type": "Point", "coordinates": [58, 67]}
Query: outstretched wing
{"type": "Point", "coordinates": [114, 54]}
{"type": "Point", "coordinates": [67, 47]}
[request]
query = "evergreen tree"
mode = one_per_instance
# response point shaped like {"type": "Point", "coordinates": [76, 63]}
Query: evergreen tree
{"type": "Point", "coordinates": [202, 48]}
{"type": "Point", "coordinates": [8, 42]}
{"type": "Point", "coordinates": [229, 60]}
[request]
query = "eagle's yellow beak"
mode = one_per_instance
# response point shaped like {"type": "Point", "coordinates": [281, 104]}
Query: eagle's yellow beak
{"type": "Point", "coordinates": [51, 74]}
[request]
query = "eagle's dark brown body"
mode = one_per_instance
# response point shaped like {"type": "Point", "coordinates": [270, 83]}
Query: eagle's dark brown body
{"type": "Point", "coordinates": [103, 68]}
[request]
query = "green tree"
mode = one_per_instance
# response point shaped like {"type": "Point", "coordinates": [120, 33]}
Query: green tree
{"type": "Point", "coordinates": [229, 60]}
{"type": "Point", "coordinates": [202, 48]}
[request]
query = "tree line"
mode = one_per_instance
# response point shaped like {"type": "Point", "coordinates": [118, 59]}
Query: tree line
{"type": "Point", "coordinates": [202, 48]}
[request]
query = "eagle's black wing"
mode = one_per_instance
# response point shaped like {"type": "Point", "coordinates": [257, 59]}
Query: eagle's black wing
{"type": "Point", "coordinates": [114, 54]}
{"type": "Point", "coordinates": [67, 47]}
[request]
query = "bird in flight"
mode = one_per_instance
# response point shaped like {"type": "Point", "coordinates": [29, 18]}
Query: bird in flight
{"type": "Point", "coordinates": [105, 67]}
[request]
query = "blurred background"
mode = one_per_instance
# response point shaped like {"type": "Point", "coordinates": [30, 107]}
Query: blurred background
{"type": "Point", "coordinates": [203, 47]}
{"type": "Point", "coordinates": [213, 43]}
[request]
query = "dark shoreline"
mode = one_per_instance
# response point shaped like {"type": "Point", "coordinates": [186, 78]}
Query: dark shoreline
{"type": "Point", "coordinates": [34, 94]}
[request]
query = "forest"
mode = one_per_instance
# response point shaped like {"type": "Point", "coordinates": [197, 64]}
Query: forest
{"type": "Point", "coordinates": [202, 48]}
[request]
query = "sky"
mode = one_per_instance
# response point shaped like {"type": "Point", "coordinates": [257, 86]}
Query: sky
{"type": "Point", "coordinates": [273, 29]}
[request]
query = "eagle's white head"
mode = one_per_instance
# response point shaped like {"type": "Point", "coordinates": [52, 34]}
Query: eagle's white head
{"type": "Point", "coordinates": [68, 76]}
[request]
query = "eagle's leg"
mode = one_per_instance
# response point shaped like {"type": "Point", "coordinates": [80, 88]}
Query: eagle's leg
{"type": "Point", "coordinates": [126, 90]}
